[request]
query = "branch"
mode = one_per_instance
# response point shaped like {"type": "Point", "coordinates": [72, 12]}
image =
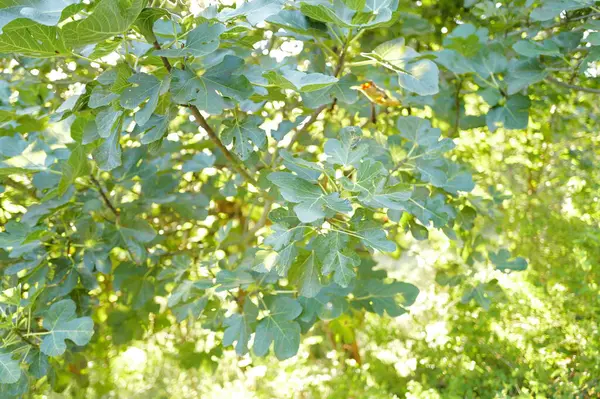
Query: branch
{"type": "Point", "coordinates": [215, 139]}
{"type": "Point", "coordinates": [209, 130]}
{"type": "Point", "coordinates": [104, 196]}
{"type": "Point", "coordinates": [25, 339]}
{"type": "Point", "coordinates": [457, 105]}
{"type": "Point", "coordinates": [311, 119]}
{"type": "Point", "coordinates": [556, 25]}
{"type": "Point", "coordinates": [164, 60]}
{"type": "Point", "coordinates": [572, 87]}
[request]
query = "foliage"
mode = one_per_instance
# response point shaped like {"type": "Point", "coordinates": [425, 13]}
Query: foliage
{"type": "Point", "coordinates": [165, 168]}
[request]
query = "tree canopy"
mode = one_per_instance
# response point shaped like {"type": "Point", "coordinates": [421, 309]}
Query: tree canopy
{"type": "Point", "coordinates": [242, 168]}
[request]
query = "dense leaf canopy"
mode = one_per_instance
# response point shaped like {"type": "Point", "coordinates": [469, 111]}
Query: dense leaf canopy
{"type": "Point", "coordinates": [241, 168]}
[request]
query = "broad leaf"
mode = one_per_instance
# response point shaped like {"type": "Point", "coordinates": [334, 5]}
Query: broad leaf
{"type": "Point", "coordinates": [415, 74]}
{"type": "Point", "coordinates": [201, 41]}
{"type": "Point", "coordinates": [109, 18]}
{"type": "Point", "coordinates": [62, 324]}
{"type": "Point", "coordinates": [10, 371]}
{"type": "Point", "coordinates": [504, 261]}
{"type": "Point", "coordinates": [244, 135]}
{"type": "Point", "coordinates": [300, 81]}
{"type": "Point", "coordinates": [45, 12]}
{"type": "Point", "coordinates": [278, 327]}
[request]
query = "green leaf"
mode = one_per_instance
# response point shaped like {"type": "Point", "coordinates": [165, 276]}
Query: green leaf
{"type": "Point", "coordinates": [531, 48]}
{"type": "Point", "coordinates": [356, 5]}
{"type": "Point", "coordinates": [552, 8]}
{"type": "Point", "coordinates": [199, 162]}
{"type": "Point", "coordinates": [61, 323]}
{"type": "Point", "coordinates": [310, 199]}
{"type": "Point", "coordinates": [283, 240]}
{"type": "Point", "coordinates": [380, 298]}
{"type": "Point", "coordinates": [239, 327]}
{"type": "Point", "coordinates": [137, 291]}
{"type": "Point", "coordinates": [227, 279]}
{"type": "Point", "coordinates": [186, 290]}
{"type": "Point", "coordinates": [108, 122]}
{"type": "Point", "coordinates": [368, 176]}
{"type": "Point", "coordinates": [329, 304]}
{"type": "Point", "coordinates": [306, 170]}
{"type": "Point", "coordinates": [255, 11]}
{"type": "Point", "coordinates": [105, 48]}
{"type": "Point", "coordinates": [146, 87]}
{"type": "Point", "coordinates": [101, 96]}
{"type": "Point", "coordinates": [109, 18]}
{"type": "Point", "coordinates": [12, 146]}
{"type": "Point", "coordinates": [445, 174]}
{"type": "Point", "coordinates": [244, 135]}
{"type": "Point", "coordinates": [415, 74]}
{"type": "Point", "coordinates": [294, 21]}
{"type": "Point", "coordinates": [332, 250]}
{"type": "Point", "coordinates": [10, 371]}
{"type": "Point", "coordinates": [278, 327]}
{"type": "Point", "coordinates": [374, 237]}
{"type": "Point", "coordinates": [305, 274]}
{"type": "Point", "coordinates": [488, 62]}
{"type": "Point", "coordinates": [593, 38]}
{"type": "Point", "coordinates": [347, 152]}
{"type": "Point", "coordinates": [425, 139]}
{"type": "Point", "coordinates": [77, 165]}
{"type": "Point", "coordinates": [523, 73]}
{"type": "Point", "coordinates": [154, 129]}
{"type": "Point", "coordinates": [45, 12]}
{"type": "Point", "coordinates": [145, 22]}
{"type": "Point", "coordinates": [201, 41]}
{"type": "Point", "coordinates": [31, 39]}
{"type": "Point", "coordinates": [467, 46]}
{"type": "Point", "coordinates": [208, 92]}
{"type": "Point", "coordinates": [502, 261]}
{"type": "Point", "coordinates": [39, 365]}
{"type": "Point", "coordinates": [342, 91]}
{"type": "Point", "coordinates": [292, 79]}
{"type": "Point", "coordinates": [137, 229]}
{"type": "Point", "coordinates": [283, 235]}
{"type": "Point", "coordinates": [512, 115]}
{"type": "Point", "coordinates": [376, 12]}
{"type": "Point", "coordinates": [293, 188]}
{"type": "Point", "coordinates": [108, 154]}
{"type": "Point", "coordinates": [429, 209]}
{"type": "Point", "coordinates": [391, 197]}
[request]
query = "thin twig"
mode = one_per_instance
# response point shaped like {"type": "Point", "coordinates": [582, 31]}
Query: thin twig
{"type": "Point", "coordinates": [164, 60]}
{"type": "Point", "coordinates": [457, 105]}
{"type": "Point", "coordinates": [104, 196]}
{"type": "Point", "coordinates": [572, 87]}
{"type": "Point", "coordinates": [311, 119]}
{"type": "Point", "coordinates": [261, 222]}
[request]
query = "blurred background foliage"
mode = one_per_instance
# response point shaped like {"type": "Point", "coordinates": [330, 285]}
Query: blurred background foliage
{"type": "Point", "coordinates": [523, 335]}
